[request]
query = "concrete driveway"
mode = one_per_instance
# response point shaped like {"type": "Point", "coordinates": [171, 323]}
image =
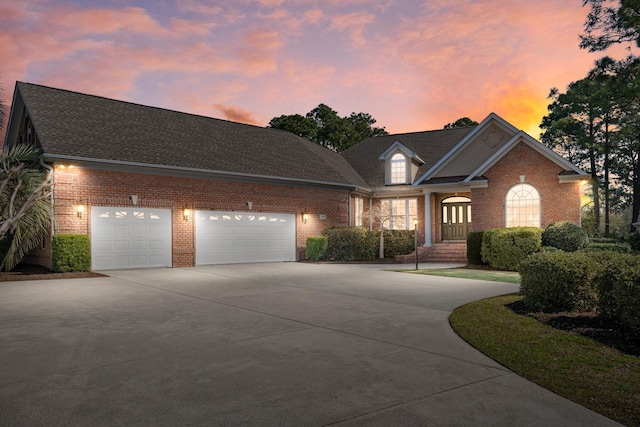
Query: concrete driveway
{"type": "Point", "coordinates": [262, 344]}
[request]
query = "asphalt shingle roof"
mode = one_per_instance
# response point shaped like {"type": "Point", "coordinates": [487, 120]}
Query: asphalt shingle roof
{"type": "Point", "coordinates": [91, 127]}
{"type": "Point", "coordinates": [430, 146]}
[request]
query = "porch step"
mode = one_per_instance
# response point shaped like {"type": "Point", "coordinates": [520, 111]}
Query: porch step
{"type": "Point", "coordinates": [439, 252]}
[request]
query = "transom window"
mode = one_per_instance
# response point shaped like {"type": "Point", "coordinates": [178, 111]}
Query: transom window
{"type": "Point", "coordinates": [398, 214]}
{"type": "Point", "coordinates": [398, 169]}
{"type": "Point", "coordinates": [523, 206]}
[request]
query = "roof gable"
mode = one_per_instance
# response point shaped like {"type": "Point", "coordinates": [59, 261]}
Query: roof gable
{"type": "Point", "coordinates": [491, 134]}
{"type": "Point", "coordinates": [399, 146]}
{"type": "Point", "coordinates": [429, 146]}
{"type": "Point", "coordinates": [522, 137]}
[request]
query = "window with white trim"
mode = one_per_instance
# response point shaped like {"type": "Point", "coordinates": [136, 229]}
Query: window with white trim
{"type": "Point", "coordinates": [523, 206]}
{"type": "Point", "coordinates": [398, 169]}
{"type": "Point", "coordinates": [358, 207]}
{"type": "Point", "coordinates": [398, 214]}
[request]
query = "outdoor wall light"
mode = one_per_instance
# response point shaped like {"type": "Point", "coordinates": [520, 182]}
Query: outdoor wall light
{"type": "Point", "coordinates": [305, 217]}
{"type": "Point", "coordinates": [185, 213]}
{"type": "Point", "coordinates": [79, 210]}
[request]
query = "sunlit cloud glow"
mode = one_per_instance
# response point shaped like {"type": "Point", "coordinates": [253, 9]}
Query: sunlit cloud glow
{"type": "Point", "coordinates": [412, 65]}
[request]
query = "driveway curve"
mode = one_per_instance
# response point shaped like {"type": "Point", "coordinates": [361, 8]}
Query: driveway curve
{"type": "Point", "coordinates": [286, 344]}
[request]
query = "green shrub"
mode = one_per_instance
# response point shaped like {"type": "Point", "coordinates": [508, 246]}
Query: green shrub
{"type": "Point", "coordinates": [615, 247]}
{"type": "Point", "coordinates": [505, 248]}
{"type": "Point", "coordinates": [474, 247]}
{"type": "Point", "coordinates": [398, 242]}
{"type": "Point", "coordinates": [549, 249]}
{"type": "Point", "coordinates": [616, 270]}
{"type": "Point", "coordinates": [603, 240]}
{"type": "Point", "coordinates": [351, 244]}
{"type": "Point", "coordinates": [70, 252]}
{"type": "Point", "coordinates": [316, 248]}
{"type": "Point", "coordinates": [559, 281]}
{"type": "Point", "coordinates": [627, 299]}
{"type": "Point", "coordinates": [634, 241]}
{"type": "Point", "coordinates": [566, 236]}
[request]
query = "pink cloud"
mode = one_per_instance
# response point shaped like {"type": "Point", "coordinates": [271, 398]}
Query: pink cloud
{"type": "Point", "coordinates": [198, 6]}
{"type": "Point", "coordinates": [96, 21]}
{"type": "Point", "coordinates": [257, 51]}
{"type": "Point", "coordinates": [313, 16]}
{"type": "Point", "coordinates": [236, 114]}
{"type": "Point", "coordinates": [354, 24]}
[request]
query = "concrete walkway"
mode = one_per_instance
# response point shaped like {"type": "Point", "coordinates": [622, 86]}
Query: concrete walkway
{"type": "Point", "coordinates": [286, 344]}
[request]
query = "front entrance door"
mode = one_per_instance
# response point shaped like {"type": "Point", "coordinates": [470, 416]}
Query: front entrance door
{"type": "Point", "coordinates": [456, 220]}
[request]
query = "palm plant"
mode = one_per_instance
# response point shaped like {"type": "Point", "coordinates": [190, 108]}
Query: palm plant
{"type": "Point", "coordinates": [25, 203]}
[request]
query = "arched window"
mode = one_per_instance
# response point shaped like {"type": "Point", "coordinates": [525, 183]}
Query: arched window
{"type": "Point", "coordinates": [523, 206]}
{"type": "Point", "coordinates": [398, 169]}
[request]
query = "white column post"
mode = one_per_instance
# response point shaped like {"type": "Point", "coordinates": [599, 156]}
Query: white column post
{"type": "Point", "coordinates": [427, 219]}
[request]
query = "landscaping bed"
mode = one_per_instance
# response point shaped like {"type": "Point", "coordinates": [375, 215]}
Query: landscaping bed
{"type": "Point", "coordinates": [24, 272]}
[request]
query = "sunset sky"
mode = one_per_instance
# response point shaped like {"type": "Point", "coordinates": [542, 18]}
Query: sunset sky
{"type": "Point", "coordinates": [413, 65]}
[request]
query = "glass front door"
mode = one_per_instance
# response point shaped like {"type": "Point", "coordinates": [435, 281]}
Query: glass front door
{"type": "Point", "coordinates": [456, 220]}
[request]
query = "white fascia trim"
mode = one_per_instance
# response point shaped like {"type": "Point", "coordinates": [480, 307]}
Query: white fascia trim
{"type": "Point", "coordinates": [236, 175]}
{"type": "Point", "coordinates": [406, 150]}
{"type": "Point", "coordinates": [522, 136]}
{"type": "Point", "coordinates": [451, 154]}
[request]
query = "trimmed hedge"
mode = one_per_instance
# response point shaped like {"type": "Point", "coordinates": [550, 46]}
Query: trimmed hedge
{"type": "Point", "coordinates": [558, 281]}
{"type": "Point", "coordinates": [566, 236]}
{"type": "Point", "coordinates": [350, 244]}
{"type": "Point", "coordinates": [607, 281]}
{"type": "Point", "coordinates": [474, 247]}
{"type": "Point", "coordinates": [614, 247]}
{"type": "Point", "coordinates": [505, 248]}
{"type": "Point", "coordinates": [70, 252]}
{"type": "Point", "coordinates": [316, 249]}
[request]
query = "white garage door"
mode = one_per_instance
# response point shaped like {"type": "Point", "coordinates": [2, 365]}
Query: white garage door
{"type": "Point", "coordinates": [235, 237]}
{"type": "Point", "coordinates": [130, 238]}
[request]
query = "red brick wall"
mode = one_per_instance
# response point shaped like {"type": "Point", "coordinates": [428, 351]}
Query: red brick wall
{"type": "Point", "coordinates": [558, 201]}
{"type": "Point", "coordinates": [74, 186]}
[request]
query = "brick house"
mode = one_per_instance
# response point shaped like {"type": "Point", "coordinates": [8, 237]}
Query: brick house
{"type": "Point", "coordinates": [154, 187]}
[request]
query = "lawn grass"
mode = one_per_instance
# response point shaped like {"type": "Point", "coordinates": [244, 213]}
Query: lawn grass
{"type": "Point", "coordinates": [467, 273]}
{"type": "Point", "coordinates": [600, 378]}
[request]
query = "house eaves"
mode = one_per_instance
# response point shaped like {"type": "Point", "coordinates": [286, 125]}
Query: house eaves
{"type": "Point", "coordinates": [186, 172]}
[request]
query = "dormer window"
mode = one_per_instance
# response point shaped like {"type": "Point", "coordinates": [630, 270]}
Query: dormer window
{"type": "Point", "coordinates": [398, 169]}
{"type": "Point", "coordinates": [400, 164]}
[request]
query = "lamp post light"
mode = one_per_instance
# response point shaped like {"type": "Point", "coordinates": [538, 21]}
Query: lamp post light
{"type": "Point", "coordinates": [415, 240]}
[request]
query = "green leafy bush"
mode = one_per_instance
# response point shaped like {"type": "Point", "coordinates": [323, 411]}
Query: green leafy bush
{"type": "Point", "coordinates": [474, 247]}
{"type": "Point", "coordinates": [634, 241]}
{"type": "Point", "coordinates": [559, 281]}
{"type": "Point", "coordinates": [316, 249]}
{"type": "Point", "coordinates": [566, 236]}
{"type": "Point", "coordinates": [616, 270]}
{"type": "Point", "coordinates": [603, 240]}
{"type": "Point", "coordinates": [70, 252]}
{"type": "Point", "coordinates": [351, 244]}
{"type": "Point", "coordinates": [398, 242]}
{"type": "Point", "coordinates": [615, 247]}
{"type": "Point", "coordinates": [505, 248]}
